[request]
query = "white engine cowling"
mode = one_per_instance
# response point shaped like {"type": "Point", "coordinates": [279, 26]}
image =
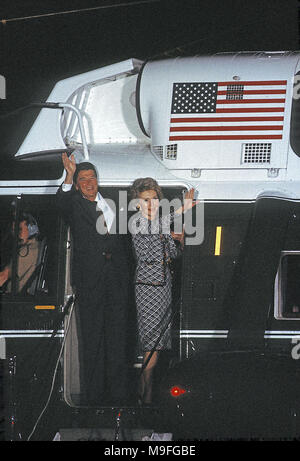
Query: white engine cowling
{"type": "Point", "coordinates": [225, 111]}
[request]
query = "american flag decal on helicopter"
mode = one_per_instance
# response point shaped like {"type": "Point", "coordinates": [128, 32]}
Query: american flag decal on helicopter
{"type": "Point", "coordinates": [227, 110]}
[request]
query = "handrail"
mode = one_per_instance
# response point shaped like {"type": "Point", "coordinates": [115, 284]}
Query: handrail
{"type": "Point", "coordinates": [81, 127]}
{"type": "Point", "coordinates": [62, 105]}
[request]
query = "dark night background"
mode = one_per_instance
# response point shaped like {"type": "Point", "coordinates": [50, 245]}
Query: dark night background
{"type": "Point", "coordinates": [36, 53]}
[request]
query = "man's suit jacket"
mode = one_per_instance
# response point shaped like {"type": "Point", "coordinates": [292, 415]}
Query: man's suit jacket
{"type": "Point", "coordinates": [89, 246]}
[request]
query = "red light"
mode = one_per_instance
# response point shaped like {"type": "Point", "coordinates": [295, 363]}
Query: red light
{"type": "Point", "coordinates": [176, 391]}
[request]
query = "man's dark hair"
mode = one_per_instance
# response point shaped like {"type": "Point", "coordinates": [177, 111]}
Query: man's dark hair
{"type": "Point", "coordinates": [83, 166]}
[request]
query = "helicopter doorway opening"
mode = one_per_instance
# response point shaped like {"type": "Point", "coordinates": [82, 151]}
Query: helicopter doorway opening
{"type": "Point", "coordinates": [73, 392]}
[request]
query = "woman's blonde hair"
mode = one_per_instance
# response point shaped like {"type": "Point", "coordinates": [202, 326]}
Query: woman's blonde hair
{"type": "Point", "coordinates": [143, 184]}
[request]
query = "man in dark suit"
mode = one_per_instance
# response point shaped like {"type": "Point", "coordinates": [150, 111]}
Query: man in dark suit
{"type": "Point", "coordinates": [100, 276]}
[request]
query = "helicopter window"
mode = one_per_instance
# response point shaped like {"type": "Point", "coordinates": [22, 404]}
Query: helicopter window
{"type": "Point", "coordinates": [295, 116]}
{"type": "Point", "coordinates": [6, 234]}
{"type": "Point", "coordinates": [287, 294]}
{"type": "Point", "coordinates": [30, 244]}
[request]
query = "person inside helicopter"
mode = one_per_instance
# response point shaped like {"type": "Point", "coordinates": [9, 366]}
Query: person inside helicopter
{"type": "Point", "coordinates": [31, 257]}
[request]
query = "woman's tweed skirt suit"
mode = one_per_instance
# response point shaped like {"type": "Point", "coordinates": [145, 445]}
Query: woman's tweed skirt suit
{"type": "Point", "coordinates": [153, 282]}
